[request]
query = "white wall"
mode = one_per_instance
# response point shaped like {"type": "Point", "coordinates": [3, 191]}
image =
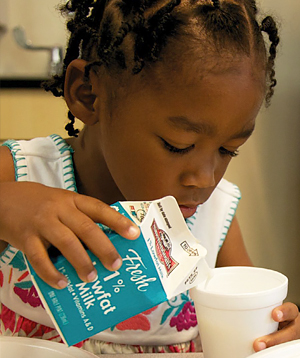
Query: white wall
{"type": "Point", "coordinates": [268, 168]}
{"type": "Point", "coordinates": [43, 25]}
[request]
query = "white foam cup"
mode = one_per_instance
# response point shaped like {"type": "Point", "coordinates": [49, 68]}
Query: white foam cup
{"type": "Point", "coordinates": [234, 307]}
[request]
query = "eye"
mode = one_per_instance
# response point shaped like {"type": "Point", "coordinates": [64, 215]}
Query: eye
{"type": "Point", "coordinates": [176, 150]}
{"type": "Point", "coordinates": [230, 153]}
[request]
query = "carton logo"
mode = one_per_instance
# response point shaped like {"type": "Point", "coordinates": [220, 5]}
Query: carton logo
{"type": "Point", "coordinates": [139, 214]}
{"type": "Point", "coordinates": [186, 247]}
{"type": "Point", "coordinates": [163, 248]}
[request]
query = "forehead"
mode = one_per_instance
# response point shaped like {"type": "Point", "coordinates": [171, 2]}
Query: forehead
{"type": "Point", "coordinates": [219, 103]}
{"type": "Point", "coordinates": [238, 75]}
{"type": "Point", "coordinates": [180, 67]}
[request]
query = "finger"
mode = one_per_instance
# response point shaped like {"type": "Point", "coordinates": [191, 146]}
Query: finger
{"type": "Point", "coordinates": [286, 312]}
{"type": "Point", "coordinates": [38, 257]}
{"type": "Point", "coordinates": [104, 214]}
{"type": "Point", "coordinates": [72, 249]}
{"type": "Point", "coordinates": [284, 335]}
{"type": "Point", "coordinates": [95, 239]}
{"type": "Point", "coordinates": [289, 332]}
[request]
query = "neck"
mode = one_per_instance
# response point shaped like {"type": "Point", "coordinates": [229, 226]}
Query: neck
{"type": "Point", "coordinates": [92, 175]}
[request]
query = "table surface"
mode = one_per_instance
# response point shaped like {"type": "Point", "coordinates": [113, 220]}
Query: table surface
{"type": "Point", "coordinates": [158, 355]}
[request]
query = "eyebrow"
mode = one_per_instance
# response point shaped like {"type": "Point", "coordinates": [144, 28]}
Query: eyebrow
{"type": "Point", "coordinates": [182, 122]}
{"type": "Point", "coordinates": [244, 133]}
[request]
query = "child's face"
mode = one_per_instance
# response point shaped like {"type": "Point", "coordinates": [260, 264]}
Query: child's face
{"type": "Point", "coordinates": [180, 139]}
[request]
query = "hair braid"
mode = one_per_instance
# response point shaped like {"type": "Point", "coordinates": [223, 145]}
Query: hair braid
{"type": "Point", "coordinates": [152, 38]}
{"type": "Point", "coordinates": [80, 29]}
{"type": "Point", "coordinates": [128, 34]}
{"type": "Point", "coordinates": [216, 4]}
{"type": "Point", "coordinates": [253, 6]}
{"type": "Point", "coordinates": [97, 12]}
{"type": "Point", "coordinates": [83, 12]}
{"type": "Point", "coordinates": [268, 25]}
{"type": "Point", "coordinates": [109, 47]}
{"type": "Point", "coordinates": [70, 126]}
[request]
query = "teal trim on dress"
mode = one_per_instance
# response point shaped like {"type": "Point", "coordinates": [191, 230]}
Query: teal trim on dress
{"type": "Point", "coordinates": [20, 163]}
{"type": "Point", "coordinates": [190, 221]}
{"type": "Point", "coordinates": [61, 144]}
{"type": "Point", "coordinates": [7, 255]}
{"type": "Point", "coordinates": [230, 215]}
{"type": "Point", "coordinates": [68, 166]}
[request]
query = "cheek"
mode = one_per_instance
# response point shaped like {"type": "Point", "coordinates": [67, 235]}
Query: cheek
{"type": "Point", "coordinates": [135, 172]}
{"type": "Point", "coordinates": [141, 172]}
{"type": "Point", "coordinates": [222, 168]}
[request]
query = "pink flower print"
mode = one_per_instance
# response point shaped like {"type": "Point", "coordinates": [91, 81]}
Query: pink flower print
{"type": "Point", "coordinates": [139, 321]}
{"type": "Point", "coordinates": [28, 294]}
{"type": "Point", "coordinates": [8, 319]}
{"type": "Point", "coordinates": [26, 291]}
{"type": "Point", "coordinates": [185, 319]}
{"type": "Point", "coordinates": [180, 312]}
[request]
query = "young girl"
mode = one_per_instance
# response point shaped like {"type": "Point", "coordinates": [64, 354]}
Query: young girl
{"type": "Point", "coordinates": [168, 91]}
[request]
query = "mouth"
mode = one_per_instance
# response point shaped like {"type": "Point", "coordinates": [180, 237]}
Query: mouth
{"type": "Point", "coordinates": [188, 211]}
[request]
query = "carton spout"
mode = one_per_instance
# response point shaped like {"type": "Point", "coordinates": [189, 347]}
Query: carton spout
{"type": "Point", "coordinates": [205, 273]}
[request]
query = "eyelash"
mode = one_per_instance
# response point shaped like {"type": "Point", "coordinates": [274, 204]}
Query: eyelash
{"type": "Point", "coordinates": [176, 150]}
{"type": "Point", "coordinates": [225, 151]}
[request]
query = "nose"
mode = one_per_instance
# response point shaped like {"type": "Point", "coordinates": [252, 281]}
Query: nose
{"type": "Point", "coordinates": [201, 175]}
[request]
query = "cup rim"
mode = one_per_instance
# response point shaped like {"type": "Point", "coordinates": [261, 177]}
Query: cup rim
{"type": "Point", "coordinates": [242, 301]}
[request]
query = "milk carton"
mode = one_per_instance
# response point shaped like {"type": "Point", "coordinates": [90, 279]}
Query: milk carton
{"type": "Point", "coordinates": [164, 261]}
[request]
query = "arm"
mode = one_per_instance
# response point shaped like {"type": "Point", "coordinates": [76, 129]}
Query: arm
{"type": "Point", "coordinates": [7, 170]}
{"type": "Point", "coordinates": [34, 216]}
{"type": "Point", "coordinates": [7, 174]}
{"type": "Point", "coordinates": [233, 252]}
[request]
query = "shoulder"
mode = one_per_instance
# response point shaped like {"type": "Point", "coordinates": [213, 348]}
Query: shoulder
{"type": "Point", "coordinates": [28, 158]}
{"type": "Point", "coordinates": [51, 147]}
{"type": "Point", "coordinates": [7, 171]}
{"type": "Point", "coordinates": [233, 252]}
{"type": "Point", "coordinates": [12, 151]}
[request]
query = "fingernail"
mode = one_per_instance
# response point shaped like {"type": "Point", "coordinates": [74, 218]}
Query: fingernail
{"type": "Point", "coordinates": [261, 346]}
{"type": "Point", "coordinates": [133, 231]}
{"type": "Point", "coordinates": [92, 276]}
{"type": "Point", "coordinates": [62, 284]}
{"type": "Point", "coordinates": [279, 315]}
{"type": "Point", "coordinates": [117, 264]}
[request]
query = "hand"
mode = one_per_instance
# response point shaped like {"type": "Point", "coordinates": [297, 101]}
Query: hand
{"type": "Point", "coordinates": [34, 216]}
{"type": "Point", "coordinates": [289, 327]}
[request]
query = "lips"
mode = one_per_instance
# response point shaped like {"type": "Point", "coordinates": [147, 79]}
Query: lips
{"type": "Point", "coordinates": [187, 211]}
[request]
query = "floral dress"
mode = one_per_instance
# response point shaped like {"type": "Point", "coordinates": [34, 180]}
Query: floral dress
{"type": "Point", "coordinates": [168, 327]}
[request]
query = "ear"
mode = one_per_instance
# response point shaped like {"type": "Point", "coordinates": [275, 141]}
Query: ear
{"type": "Point", "coordinates": [78, 93]}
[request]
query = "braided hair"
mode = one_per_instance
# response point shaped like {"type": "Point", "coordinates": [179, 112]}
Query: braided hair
{"type": "Point", "coordinates": [128, 35]}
